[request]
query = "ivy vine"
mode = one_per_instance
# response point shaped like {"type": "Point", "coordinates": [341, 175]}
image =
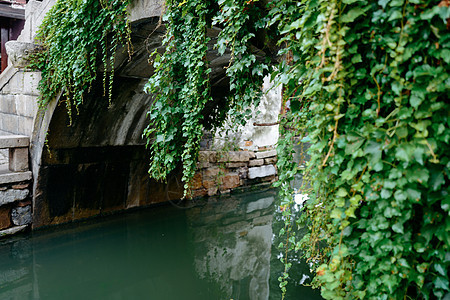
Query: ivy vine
{"type": "Point", "coordinates": [76, 37]}
{"type": "Point", "coordinates": [180, 84]}
{"type": "Point", "coordinates": [366, 84]}
{"type": "Point", "coordinates": [372, 77]}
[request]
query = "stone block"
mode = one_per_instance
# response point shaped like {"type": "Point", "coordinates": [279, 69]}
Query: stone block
{"type": "Point", "coordinates": [199, 193]}
{"type": "Point", "coordinates": [230, 181]}
{"type": "Point", "coordinates": [11, 141]}
{"type": "Point", "coordinates": [31, 82]}
{"type": "Point", "coordinates": [12, 230]}
{"type": "Point", "coordinates": [251, 154]}
{"type": "Point", "coordinates": [10, 196]}
{"type": "Point", "coordinates": [20, 186]}
{"type": "Point", "coordinates": [26, 105]}
{"type": "Point", "coordinates": [270, 160]}
{"type": "Point", "coordinates": [212, 191]}
{"type": "Point", "coordinates": [14, 177]}
{"type": "Point", "coordinates": [234, 156]}
{"type": "Point", "coordinates": [236, 164]}
{"type": "Point", "coordinates": [203, 165]}
{"type": "Point", "coordinates": [21, 215]}
{"type": "Point", "coordinates": [265, 154]}
{"type": "Point", "coordinates": [203, 156]}
{"type": "Point", "coordinates": [263, 171]}
{"type": "Point", "coordinates": [20, 53]}
{"type": "Point", "coordinates": [5, 218]}
{"type": "Point", "coordinates": [209, 183]}
{"type": "Point", "coordinates": [196, 182]}
{"type": "Point", "coordinates": [7, 104]}
{"type": "Point", "coordinates": [212, 172]}
{"type": "Point", "coordinates": [18, 159]}
{"type": "Point", "coordinates": [256, 162]}
{"type": "Point", "coordinates": [213, 156]}
{"type": "Point", "coordinates": [9, 123]}
{"type": "Point", "coordinates": [25, 125]}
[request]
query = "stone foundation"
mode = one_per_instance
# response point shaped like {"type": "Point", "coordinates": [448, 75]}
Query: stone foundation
{"type": "Point", "coordinates": [15, 207]}
{"type": "Point", "coordinates": [222, 172]}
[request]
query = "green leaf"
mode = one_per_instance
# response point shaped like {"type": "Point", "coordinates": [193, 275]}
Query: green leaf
{"type": "Point", "coordinates": [440, 269]}
{"type": "Point", "coordinates": [336, 214]}
{"type": "Point", "coordinates": [351, 15]}
{"type": "Point", "coordinates": [394, 15]}
{"type": "Point", "coordinates": [398, 227]}
{"type": "Point", "coordinates": [441, 283]}
{"type": "Point", "coordinates": [341, 192]}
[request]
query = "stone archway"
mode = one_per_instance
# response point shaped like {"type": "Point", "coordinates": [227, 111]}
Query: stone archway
{"type": "Point", "coordinates": [99, 163]}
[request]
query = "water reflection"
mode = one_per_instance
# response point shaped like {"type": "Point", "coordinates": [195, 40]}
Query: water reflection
{"type": "Point", "coordinates": [237, 258]}
{"type": "Point", "coordinates": [221, 249]}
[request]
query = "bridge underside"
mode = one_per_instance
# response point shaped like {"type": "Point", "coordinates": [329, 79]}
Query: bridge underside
{"type": "Point", "coordinates": [99, 164]}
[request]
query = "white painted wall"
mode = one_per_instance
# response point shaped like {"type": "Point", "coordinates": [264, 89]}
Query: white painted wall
{"type": "Point", "coordinates": [252, 137]}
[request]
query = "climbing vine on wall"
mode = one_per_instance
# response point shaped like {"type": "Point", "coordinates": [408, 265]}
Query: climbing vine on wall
{"type": "Point", "coordinates": [373, 79]}
{"type": "Point", "coordinates": [76, 37]}
{"type": "Point", "coordinates": [366, 84]}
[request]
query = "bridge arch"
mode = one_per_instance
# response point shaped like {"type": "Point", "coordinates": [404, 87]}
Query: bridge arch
{"type": "Point", "coordinates": [99, 163]}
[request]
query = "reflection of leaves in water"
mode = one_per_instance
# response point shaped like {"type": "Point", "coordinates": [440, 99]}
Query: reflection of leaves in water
{"type": "Point", "coordinates": [237, 259]}
{"type": "Point", "coordinates": [299, 275]}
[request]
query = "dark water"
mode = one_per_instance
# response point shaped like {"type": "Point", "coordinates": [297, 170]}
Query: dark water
{"type": "Point", "coordinates": [223, 248]}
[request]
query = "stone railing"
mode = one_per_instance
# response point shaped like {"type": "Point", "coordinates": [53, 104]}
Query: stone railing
{"type": "Point", "coordinates": [15, 179]}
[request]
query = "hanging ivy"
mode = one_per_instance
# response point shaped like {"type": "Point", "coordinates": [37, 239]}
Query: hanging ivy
{"type": "Point", "coordinates": [372, 77]}
{"type": "Point", "coordinates": [180, 84]}
{"type": "Point", "coordinates": [181, 89]}
{"type": "Point", "coordinates": [76, 37]}
{"type": "Point", "coordinates": [366, 84]}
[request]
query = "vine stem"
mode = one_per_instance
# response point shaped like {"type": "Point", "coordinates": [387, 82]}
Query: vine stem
{"type": "Point", "coordinates": [335, 134]}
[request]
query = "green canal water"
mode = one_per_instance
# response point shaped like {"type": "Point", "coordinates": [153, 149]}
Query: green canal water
{"type": "Point", "coordinates": [222, 248]}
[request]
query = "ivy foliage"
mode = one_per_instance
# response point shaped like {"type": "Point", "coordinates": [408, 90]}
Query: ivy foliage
{"type": "Point", "coordinates": [180, 84]}
{"type": "Point", "coordinates": [372, 79]}
{"type": "Point", "coordinates": [181, 89]}
{"type": "Point", "coordinates": [366, 84]}
{"type": "Point", "coordinates": [76, 37]}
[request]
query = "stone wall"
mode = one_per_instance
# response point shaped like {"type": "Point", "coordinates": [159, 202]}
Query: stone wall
{"type": "Point", "coordinates": [15, 207]}
{"type": "Point", "coordinates": [222, 172]}
{"type": "Point", "coordinates": [15, 185]}
{"type": "Point", "coordinates": [18, 101]}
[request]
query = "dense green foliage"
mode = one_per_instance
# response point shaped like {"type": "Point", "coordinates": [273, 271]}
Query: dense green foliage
{"type": "Point", "coordinates": [181, 89]}
{"type": "Point", "coordinates": [77, 36]}
{"type": "Point", "coordinates": [366, 84]}
{"type": "Point", "coordinates": [372, 78]}
{"type": "Point", "coordinates": [180, 83]}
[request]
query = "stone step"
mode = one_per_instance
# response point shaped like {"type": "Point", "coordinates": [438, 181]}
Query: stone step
{"type": "Point", "coordinates": [6, 176]}
{"type": "Point", "coordinates": [14, 141]}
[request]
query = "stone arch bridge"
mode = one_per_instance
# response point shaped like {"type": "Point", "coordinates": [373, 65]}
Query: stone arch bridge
{"type": "Point", "coordinates": [99, 164]}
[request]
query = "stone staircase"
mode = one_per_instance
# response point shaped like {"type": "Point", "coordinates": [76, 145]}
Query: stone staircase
{"type": "Point", "coordinates": [15, 182]}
